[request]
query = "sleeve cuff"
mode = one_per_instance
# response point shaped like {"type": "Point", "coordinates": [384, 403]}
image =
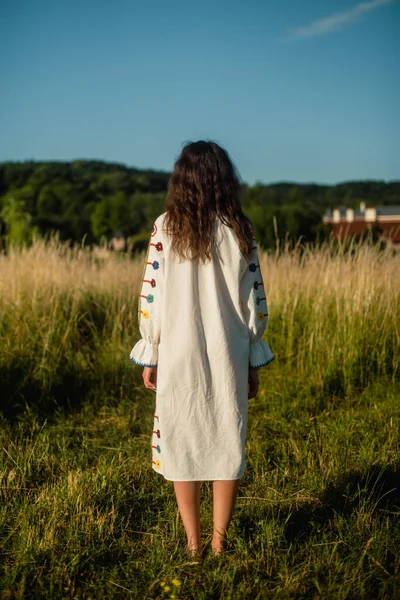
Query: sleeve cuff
{"type": "Point", "coordinates": [144, 354]}
{"type": "Point", "coordinates": [260, 354]}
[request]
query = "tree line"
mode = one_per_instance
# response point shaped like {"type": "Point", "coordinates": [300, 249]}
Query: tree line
{"type": "Point", "coordinates": [97, 200]}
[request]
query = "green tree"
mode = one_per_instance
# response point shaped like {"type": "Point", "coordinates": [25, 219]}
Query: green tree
{"type": "Point", "coordinates": [18, 223]}
{"type": "Point", "coordinates": [48, 202]}
{"type": "Point", "coordinates": [100, 220]}
{"type": "Point", "coordinates": [119, 214]}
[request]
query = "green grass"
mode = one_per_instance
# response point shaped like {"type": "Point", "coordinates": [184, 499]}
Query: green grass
{"type": "Point", "coordinates": [83, 515]}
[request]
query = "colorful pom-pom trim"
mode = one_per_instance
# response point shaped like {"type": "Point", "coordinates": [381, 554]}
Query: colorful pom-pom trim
{"type": "Point", "coordinates": [152, 282]}
{"type": "Point", "coordinates": [261, 316]}
{"type": "Point", "coordinates": [158, 246]}
{"type": "Point", "coordinates": [156, 447]}
{"type": "Point", "coordinates": [253, 267]}
{"type": "Point", "coordinates": [155, 264]}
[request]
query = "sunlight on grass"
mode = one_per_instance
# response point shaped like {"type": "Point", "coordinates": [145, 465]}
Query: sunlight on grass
{"type": "Point", "coordinates": [82, 513]}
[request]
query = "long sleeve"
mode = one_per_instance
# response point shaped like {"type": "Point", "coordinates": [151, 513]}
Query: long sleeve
{"type": "Point", "coordinates": [145, 351]}
{"type": "Point", "coordinates": [255, 310]}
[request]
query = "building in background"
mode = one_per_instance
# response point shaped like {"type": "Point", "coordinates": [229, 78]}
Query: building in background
{"type": "Point", "coordinates": [384, 220]}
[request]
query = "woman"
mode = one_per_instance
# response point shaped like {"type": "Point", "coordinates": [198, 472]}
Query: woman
{"type": "Point", "coordinates": [202, 313]}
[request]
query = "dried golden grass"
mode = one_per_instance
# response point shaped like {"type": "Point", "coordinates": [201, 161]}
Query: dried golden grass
{"type": "Point", "coordinates": [329, 305]}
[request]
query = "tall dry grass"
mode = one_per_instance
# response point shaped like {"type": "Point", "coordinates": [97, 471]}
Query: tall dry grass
{"type": "Point", "coordinates": [69, 315]}
{"type": "Point", "coordinates": [82, 514]}
{"type": "Point", "coordinates": [335, 311]}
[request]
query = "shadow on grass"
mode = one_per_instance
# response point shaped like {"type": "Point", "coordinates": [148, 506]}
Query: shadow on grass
{"type": "Point", "coordinates": [376, 488]}
{"type": "Point", "coordinates": [65, 390]}
{"type": "Point", "coordinates": [20, 389]}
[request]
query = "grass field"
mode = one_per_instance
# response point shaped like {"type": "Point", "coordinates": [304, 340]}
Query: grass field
{"type": "Point", "coordinates": [83, 515]}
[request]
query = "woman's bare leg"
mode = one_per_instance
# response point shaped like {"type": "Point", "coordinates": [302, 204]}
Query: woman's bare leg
{"type": "Point", "coordinates": [224, 499]}
{"type": "Point", "coordinates": [188, 499]}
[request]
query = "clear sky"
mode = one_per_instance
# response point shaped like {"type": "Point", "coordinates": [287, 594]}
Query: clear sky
{"type": "Point", "coordinates": [295, 90]}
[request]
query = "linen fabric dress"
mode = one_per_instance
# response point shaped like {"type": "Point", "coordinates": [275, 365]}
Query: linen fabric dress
{"type": "Point", "coordinates": [201, 325]}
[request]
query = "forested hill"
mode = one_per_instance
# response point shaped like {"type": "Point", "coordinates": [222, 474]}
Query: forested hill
{"type": "Point", "coordinates": [98, 200]}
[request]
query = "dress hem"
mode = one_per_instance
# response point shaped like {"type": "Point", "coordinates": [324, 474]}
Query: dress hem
{"type": "Point", "coordinates": [201, 479]}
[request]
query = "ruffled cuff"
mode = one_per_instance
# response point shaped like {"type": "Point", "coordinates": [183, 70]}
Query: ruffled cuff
{"type": "Point", "coordinates": [260, 354]}
{"type": "Point", "coordinates": [144, 354]}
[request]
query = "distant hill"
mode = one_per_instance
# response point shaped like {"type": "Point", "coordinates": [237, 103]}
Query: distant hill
{"type": "Point", "coordinates": [98, 200]}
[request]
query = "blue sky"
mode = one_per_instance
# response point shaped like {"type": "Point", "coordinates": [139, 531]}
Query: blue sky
{"type": "Point", "coordinates": [302, 90]}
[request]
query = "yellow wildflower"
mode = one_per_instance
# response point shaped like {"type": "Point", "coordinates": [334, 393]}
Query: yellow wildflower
{"type": "Point", "coordinates": [176, 582]}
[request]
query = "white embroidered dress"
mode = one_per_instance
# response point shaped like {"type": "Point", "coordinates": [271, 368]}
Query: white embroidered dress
{"type": "Point", "coordinates": [202, 325]}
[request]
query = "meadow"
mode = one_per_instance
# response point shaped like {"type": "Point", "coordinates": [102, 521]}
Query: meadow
{"type": "Point", "coordinates": [82, 514]}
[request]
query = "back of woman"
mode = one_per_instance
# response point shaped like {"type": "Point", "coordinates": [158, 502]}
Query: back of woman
{"type": "Point", "coordinates": [202, 314]}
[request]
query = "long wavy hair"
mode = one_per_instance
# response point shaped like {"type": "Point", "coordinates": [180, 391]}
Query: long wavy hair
{"type": "Point", "coordinates": [203, 184]}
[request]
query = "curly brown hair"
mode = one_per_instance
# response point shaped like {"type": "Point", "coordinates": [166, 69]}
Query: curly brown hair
{"type": "Point", "coordinates": [203, 184]}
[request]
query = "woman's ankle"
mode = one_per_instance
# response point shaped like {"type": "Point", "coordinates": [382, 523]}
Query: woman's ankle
{"type": "Point", "coordinates": [218, 542]}
{"type": "Point", "coordinates": [194, 544]}
{"type": "Point", "coordinates": [195, 551]}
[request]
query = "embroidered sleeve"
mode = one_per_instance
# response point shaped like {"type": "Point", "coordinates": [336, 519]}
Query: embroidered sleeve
{"type": "Point", "coordinates": [145, 351]}
{"type": "Point", "coordinates": [255, 310]}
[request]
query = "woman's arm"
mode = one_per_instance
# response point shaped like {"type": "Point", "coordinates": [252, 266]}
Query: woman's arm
{"type": "Point", "coordinates": [145, 351]}
{"type": "Point", "coordinates": [255, 310]}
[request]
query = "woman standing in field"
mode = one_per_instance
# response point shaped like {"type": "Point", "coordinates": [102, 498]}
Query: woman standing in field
{"type": "Point", "coordinates": [202, 314]}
